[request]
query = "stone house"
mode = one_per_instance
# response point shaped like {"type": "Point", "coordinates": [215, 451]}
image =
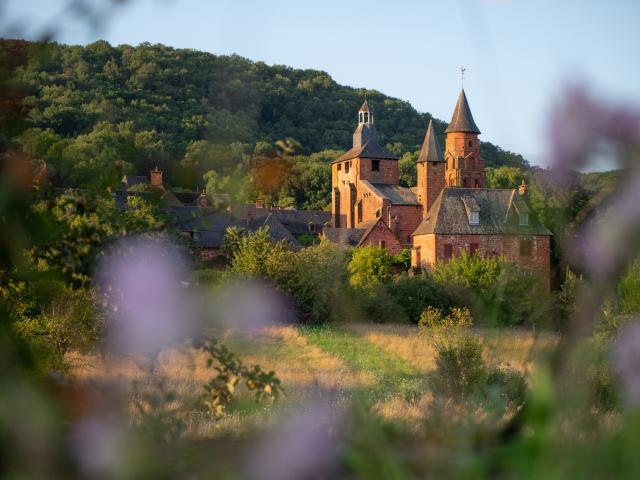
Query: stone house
{"type": "Point", "coordinates": [449, 210]}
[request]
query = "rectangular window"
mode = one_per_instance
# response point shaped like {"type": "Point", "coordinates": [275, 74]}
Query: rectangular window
{"type": "Point", "coordinates": [473, 248]}
{"type": "Point", "coordinates": [381, 243]}
{"type": "Point", "coordinates": [526, 248]}
{"type": "Point", "coordinates": [360, 212]}
{"type": "Point", "coordinates": [448, 251]}
{"type": "Point", "coordinates": [375, 165]}
{"type": "Point", "coordinates": [475, 218]}
{"type": "Point", "coordinates": [346, 167]}
{"type": "Point", "coordinates": [524, 219]}
{"type": "Point", "coordinates": [339, 166]}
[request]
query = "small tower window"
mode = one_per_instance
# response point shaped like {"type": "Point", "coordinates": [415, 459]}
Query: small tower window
{"type": "Point", "coordinates": [339, 166]}
{"type": "Point", "coordinates": [470, 143]}
{"type": "Point", "coordinates": [524, 219]}
{"type": "Point", "coordinates": [346, 167]}
{"type": "Point", "coordinates": [375, 165]}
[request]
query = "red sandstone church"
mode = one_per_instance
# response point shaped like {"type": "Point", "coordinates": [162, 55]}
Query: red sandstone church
{"type": "Point", "coordinates": [450, 209]}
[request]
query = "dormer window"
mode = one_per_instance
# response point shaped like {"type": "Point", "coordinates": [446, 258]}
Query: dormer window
{"type": "Point", "coordinates": [524, 219]}
{"type": "Point", "coordinates": [474, 218]}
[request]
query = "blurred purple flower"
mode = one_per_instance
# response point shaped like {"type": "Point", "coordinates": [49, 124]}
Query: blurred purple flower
{"type": "Point", "coordinates": [625, 360]}
{"type": "Point", "coordinates": [302, 446]}
{"type": "Point", "coordinates": [248, 305]}
{"type": "Point", "coordinates": [580, 123]}
{"type": "Point", "coordinates": [147, 308]}
{"type": "Point", "coordinates": [98, 445]}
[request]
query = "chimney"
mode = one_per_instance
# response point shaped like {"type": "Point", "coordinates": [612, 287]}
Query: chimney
{"type": "Point", "coordinates": [156, 177]}
{"type": "Point", "coordinates": [523, 189]}
{"type": "Point", "coordinates": [259, 203]}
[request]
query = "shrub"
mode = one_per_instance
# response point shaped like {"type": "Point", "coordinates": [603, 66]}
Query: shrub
{"type": "Point", "coordinates": [501, 292]}
{"type": "Point", "coordinates": [459, 366]}
{"type": "Point", "coordinates": [414, 293]}
{"type": "Point", "coordinates": [458, 318]}
{"type": "Point", "coordinates": [509, 384]}
{"type": "Point", "coordinates": [403, 259]}
{"type": "Point", "coordinates": [369, 266]}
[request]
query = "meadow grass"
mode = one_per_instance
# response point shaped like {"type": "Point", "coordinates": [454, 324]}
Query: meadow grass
{"type": "Point", "coordinates": [383, 366]}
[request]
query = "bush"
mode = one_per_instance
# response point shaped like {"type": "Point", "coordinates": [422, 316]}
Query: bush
{"type": "Point", "coordinates": [501, 292]}
{"type": "Point", "coordinates": [509, 384]}
{"type": "Point", "coordinates": [458, 318]}
{"type": "Point", "coordinates": [414, 293]}
{"type": "Point", "coordinates": [459, 366]}
{"type": "Point", "coordinates": [369, 266]}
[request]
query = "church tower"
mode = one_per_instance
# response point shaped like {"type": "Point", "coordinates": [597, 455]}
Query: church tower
{"type": "Point", "coordinates": [464, 166]}
{"type": "Point", "coordinates": [431, 171]}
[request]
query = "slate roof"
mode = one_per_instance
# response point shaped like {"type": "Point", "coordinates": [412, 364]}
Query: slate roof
{"type": "Point", "coordinates": [296, 221]}
{"type": "Point", "coordinates": [131, 180]}
{"type": "Point", "coordinates": [396, 194]}
{"type": "Point", "coordinates": [462, 120]}
{"type": "Point", "coordinates": [498, 209]}
{"type": "Point", "coordinates": [209, 225]}
{"type": "Point", "coordinates": [344, 236]}
{"type": "Point", "coordinates": [431, 151]}
{"type": "Point", "coordinates": [277, 231]}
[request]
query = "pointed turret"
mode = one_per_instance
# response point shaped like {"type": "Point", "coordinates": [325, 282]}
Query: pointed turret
{"type": "Point", "coordinates": [365, 107]}
{"type": "Point", "coordinates": [430, 151]}
{"type": "Point", "coordinates": [462, 120]}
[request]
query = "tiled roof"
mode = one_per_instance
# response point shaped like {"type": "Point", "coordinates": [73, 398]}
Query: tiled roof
{"type": "Point", "coordinates": [396, 194]}
{"type": "Point", "coordinates": [131, 180]}
{"type": "Point", "coordinates": [277, 231]}
{"type": "Point", "coordinates": [462, 120]}
{"type": "Point", "coordinates": [365, 107]}
{"type": "Point", "coordinates": [431, 151]}
{"type": "Point", "coordinates": [498, 209]}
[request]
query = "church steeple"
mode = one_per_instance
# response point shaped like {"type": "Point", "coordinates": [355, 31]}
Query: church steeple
{"type": "Point", "coordinates": [365, 114]}
{"type": "Point", "coordinates": [465, 167]}
{"type": "Point", "coordinates": [462, 120]}
{"type": "Point", "coordinates": [430, 170]}
{"type": "Point", "coordinates": [366, 131]}
{"type": "Point", "coordinates": [431, 151]}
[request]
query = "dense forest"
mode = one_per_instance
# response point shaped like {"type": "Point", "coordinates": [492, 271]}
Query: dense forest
{"type": "Point", "coordinates": [91, 109]}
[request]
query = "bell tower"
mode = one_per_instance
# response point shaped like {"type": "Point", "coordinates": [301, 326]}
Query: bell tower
{"type": "Point", "coordinates": [464, 165]}
{"type": "Point", "coordinates": [431, 171]}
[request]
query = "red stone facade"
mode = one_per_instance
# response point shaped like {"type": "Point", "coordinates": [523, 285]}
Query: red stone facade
{"type": "Point", "coordinates": [381, 236]}
{"type": "Point", "coordinates": [431, 177]}
{"type": "Point", "coordinates": [465, 166]}
{"type": "Point", "coordinates": [358, 178]}
{"type": "Point", "coordinates": [531, 252]}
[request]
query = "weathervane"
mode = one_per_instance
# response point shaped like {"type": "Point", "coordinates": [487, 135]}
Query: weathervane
{"type": "Point", "coordinates": [462, 70]}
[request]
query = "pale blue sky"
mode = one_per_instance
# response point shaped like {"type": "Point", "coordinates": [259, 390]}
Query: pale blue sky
{"type": "Point", "coordinates": [519, 54]}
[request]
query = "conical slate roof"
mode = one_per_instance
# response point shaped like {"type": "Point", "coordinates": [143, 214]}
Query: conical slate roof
{"type": "Point", "coordinates": [430, 151]}
{"type": "Point", "coordinates": [462, 120]}
{"type": "Point", "coordinates": [365, 107]}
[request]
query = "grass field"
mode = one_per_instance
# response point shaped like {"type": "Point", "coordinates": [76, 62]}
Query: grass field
{"type": "Point", "coordinates": [386, 366]}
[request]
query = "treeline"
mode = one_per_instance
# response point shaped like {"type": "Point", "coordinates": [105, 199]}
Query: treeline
{"type": "Point", "coordinates": [103, 110]}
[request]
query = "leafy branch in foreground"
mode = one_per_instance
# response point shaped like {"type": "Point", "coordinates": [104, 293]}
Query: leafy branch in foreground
{"type": "Point", "coordinates": [231, 372]}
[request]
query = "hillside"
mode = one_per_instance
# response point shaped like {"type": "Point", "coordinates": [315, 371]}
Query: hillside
{"type": "Point", "coordinates": [170, 98]}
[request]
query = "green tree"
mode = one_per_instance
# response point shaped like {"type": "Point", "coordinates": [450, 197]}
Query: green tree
{"type": "Point", "coordinates": [369, 266]}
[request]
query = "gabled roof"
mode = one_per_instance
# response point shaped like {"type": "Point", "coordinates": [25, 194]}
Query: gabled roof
{"type": "Point", "coordinates": [344, 236]}
{"type": "Point", "coordinates": [462, 120]}
{"type": "Point", "coordinates": [131, 180]}
{"type": "Point", "coordinates": [431, 151]}
{"type": "Point", "coordinates": [296, 221]}
{"type": "Point", "coordinates": [396, 194]}
{"type": "Point", "coordinates": [277, 231]}
{"type": "Point", "coordinates": [365, 107]}
{"type": "Point", "coordinates": [368, 228]}
{"type": "Point", "coordinates": [371, 149]}
{"type": "Point", "coordinates": [498, 214]}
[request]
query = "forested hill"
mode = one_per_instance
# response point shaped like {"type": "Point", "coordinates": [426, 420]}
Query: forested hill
{"type": "Point", "coordinates": [170, 98]}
